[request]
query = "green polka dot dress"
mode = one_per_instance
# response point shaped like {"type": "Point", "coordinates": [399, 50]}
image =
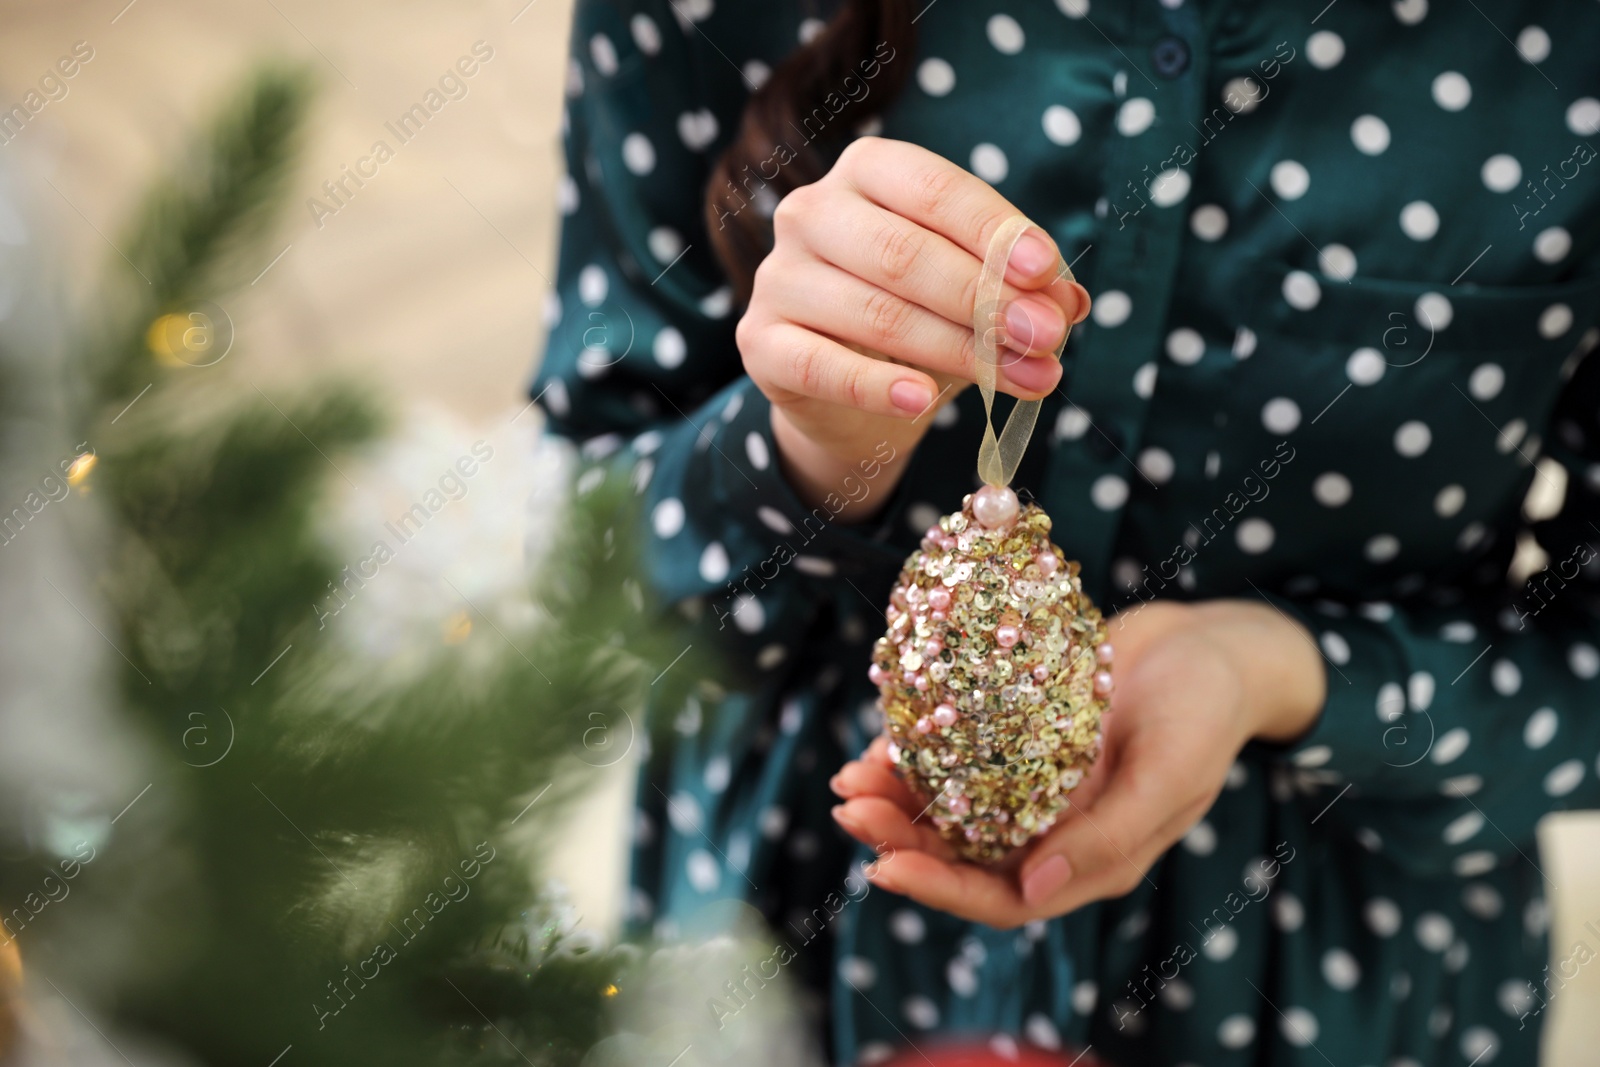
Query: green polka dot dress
{"type": "Point", "coordinates": [1346, 268]}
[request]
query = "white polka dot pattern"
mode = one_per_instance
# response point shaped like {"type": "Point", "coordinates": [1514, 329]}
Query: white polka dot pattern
{"type": "Point", "coordinates": [1448, 718]}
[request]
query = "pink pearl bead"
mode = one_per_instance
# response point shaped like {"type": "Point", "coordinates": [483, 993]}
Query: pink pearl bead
{"type": "Point", "coordinates": [932, 649]}
{"type": "Point", "coordinates": [1102, 684]}
{"type": "Point", "coordinates": [938, 616]}
{"type": "Point", "coordinates": [1006, 636]}
{"type": "Point", "coordinates": [1041, 672]}
{"type": "Point", "coordinates": [1105, 653]}
{"type": "Point", "coordinates": [877, 674]}
{"type": "Point", "coordinates": [995, 506]}
{"type": "Point", "coordinates": [945, 715]}
{"type": "Point", "coordinates": [924, 725]}
{"type": "Point", "coordinates": [959, 804]}
{"type": "Point", "coordinates": [920, 682]}
{"type": "Point", "coordinates": [1048, 563]}
{"type": "Point", "coordinates": [939, 598]}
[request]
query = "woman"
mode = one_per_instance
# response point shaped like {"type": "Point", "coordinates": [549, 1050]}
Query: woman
{"type": "Point", "coordinates": [1346, 267]}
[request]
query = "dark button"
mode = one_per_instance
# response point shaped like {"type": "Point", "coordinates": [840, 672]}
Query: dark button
{"type": "Point", "coordinates": [1170, 56]}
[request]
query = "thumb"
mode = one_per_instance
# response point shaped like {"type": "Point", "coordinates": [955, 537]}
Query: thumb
{"type": "Point", "coordinates": [1102, 849]}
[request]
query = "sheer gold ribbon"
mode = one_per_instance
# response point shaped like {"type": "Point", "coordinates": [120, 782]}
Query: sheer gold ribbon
{"type": "Point", "coordinates": [998, 457]}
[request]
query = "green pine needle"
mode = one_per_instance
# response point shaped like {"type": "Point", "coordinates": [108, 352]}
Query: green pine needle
{"type": "Point", "coordinates": [200, 227]}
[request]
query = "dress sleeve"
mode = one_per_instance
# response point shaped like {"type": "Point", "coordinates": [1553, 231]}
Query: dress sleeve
{"type": "Point", "coordinates": [1452, 726]}
{"type": "Point", "coordinates": [641, 366]}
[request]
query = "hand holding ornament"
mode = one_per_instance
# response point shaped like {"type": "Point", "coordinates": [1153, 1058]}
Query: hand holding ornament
{"type": "Point", "coordinates": [859, 324]}
{"type": "Point", "coordinates": [1195, 683]}
{"type": "Point", "coordinates": [993, 675]}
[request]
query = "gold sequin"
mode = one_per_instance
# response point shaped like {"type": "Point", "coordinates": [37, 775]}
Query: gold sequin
{"type": "Point", "coordinates": [1021, 741]}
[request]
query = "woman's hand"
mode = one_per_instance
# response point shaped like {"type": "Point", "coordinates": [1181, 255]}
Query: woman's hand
{"type": "Point", "coordinates": [881, 258]}
{"type": "Point", "coordinates": [1194, 684]}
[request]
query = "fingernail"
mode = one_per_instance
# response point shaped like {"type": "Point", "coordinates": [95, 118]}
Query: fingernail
{"type": "Point", "coordinates": [1043, 882]}
{"type": "Point", "coordinates": [1032, 254]}
{"type": "Point", "coordinates": [911, 396]}
{"type": "Point", "coordinates": [835, 785]}
{"type": "Point", "coordinates": [844, 820]}
{"type": "Point", "coordinates": [1033, 325]}
{"type": "Point", "coordinates": [1084, 303]}
{"type": "Point", "coordinates": [1033, 374]}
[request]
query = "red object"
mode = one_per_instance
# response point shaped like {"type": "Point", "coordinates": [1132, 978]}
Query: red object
{"type": "Point", "coordinates": [987, 1054]}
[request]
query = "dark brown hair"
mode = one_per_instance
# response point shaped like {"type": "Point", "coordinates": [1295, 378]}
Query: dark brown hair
{"type": "Point", "coordinates": [780, 145]}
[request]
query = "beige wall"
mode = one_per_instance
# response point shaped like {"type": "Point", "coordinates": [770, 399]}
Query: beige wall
{"type": "Point", "coordinates": [431, 278]}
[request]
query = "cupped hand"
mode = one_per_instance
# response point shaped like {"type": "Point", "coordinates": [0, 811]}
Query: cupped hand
{"type": "Point", "coordinates": [881, 258]}
{"type": "Point", "coordinates": [1194, 684]}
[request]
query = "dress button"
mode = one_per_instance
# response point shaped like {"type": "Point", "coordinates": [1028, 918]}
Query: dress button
{"type": "Point", "coordinates": [1170, 56]}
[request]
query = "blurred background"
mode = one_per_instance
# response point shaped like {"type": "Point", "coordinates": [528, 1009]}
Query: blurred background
{"type": "Point", "coordinates": [428, 282]}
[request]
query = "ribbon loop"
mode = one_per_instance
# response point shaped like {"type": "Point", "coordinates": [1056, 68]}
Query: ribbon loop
{"type": "Point", "coordinates": [998, 457]}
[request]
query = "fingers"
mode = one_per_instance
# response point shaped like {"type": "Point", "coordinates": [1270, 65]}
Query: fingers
{"type": "Point", "coordinates": [882, 256]}
{"type": "Point", "coordinates": [917, 862]}
{"type": "Point", "coordinates": [1095, 852]}
{"type": "Point", "coordinates": [879, 807]}
{"type": "Point", "coordinates": [928, 189]}
{"type": "Point", "coordinates": [927, 268]}
{"type": "Point", "coordinates": [860, 778]}
{"type": "Point", "coordinates": [1105, 849]}
{"type": "Point", "coordinates": [789, 359]}
{"type": "Point", "coordinates": [882, 823]}
{"type": "Point", "coordinates": [836, 303]}
{"type": "Point", "coordinates": [963, 890]}
{"type": "Point", "coordinates": [1070, 297]}
{"type": "Point", "coordinates": [878, 752]}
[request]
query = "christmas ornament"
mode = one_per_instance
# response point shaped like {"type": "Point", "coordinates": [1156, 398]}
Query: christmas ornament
{"type": "Point", "coordinates": [994, 673]}
{"type": "Point", "coordinates": [1001, 1051]}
